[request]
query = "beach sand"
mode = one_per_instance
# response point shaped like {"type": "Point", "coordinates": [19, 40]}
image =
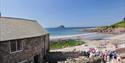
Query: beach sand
{"type": "Point", "coordinates": [101, 45]}
{"type": "Point", "coordinates": [91, 43]}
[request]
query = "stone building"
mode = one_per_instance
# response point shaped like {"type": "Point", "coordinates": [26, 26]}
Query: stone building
{"type": "Point", "coordinates": [22, 41]}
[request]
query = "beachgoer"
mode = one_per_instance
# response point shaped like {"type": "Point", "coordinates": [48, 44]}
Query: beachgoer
{"type": "Point", "coordinates": [118, 58]}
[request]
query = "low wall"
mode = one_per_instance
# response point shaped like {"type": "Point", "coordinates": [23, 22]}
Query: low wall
{"type": "Point", "coordinates": [62, 56]}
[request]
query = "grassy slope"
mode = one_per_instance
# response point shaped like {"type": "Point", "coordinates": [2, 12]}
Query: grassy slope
{"type": "Point", "coordinates": [119, 24]}
{"type": "Point", "coordinates": [69, 43]}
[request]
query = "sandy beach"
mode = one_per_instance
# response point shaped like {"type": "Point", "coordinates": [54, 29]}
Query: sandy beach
{"type": "Point", "coordinates": [91, 43]}
{"type": "Point", "coordinates": [101, 45]}
{"type": "Point", "coordinates": [119, 37]}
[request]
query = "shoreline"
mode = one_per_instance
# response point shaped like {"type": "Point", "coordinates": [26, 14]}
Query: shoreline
{"type": "Point", "coordinates": [68, 36]}
{"type": "Point", "coordinates": [83, 36]}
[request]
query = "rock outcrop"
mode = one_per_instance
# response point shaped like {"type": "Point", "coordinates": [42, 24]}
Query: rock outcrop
{"type": "Point", "coordinates": [108, 30]}
{"type": "Point", "coordinates": [61, 26]}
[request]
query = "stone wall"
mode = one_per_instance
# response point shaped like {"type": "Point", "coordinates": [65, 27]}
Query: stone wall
{"type": "Point", "coordinates": [62, 56]}
{"type": "Point", "coordinates": [71, 57]}
{"type": "Point", "coordinates": [31, 47]}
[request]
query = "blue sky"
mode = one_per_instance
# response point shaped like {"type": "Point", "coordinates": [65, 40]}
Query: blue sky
{"type": "Point", "coordinates": [71, 13]}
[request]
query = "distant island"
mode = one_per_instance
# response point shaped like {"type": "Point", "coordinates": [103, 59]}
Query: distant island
{"type": "Point", "coordinates": [61, 26]}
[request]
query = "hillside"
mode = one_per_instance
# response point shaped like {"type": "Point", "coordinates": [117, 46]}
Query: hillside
{"type": "Point", "coordinates": [114, 28]}
{"type": "Point", "coordinates": [120, 24]}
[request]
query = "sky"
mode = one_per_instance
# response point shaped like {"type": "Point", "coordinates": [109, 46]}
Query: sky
{"type": "Point", "coordinates": [70, 13]}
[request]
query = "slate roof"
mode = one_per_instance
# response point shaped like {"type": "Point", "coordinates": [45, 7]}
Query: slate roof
{"type": "Point", "coordinates": [18, 28]}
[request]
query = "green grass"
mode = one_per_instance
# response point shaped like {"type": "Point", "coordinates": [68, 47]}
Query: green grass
{"type": "Point", "coordinates": [119, 24]}
{"type": "Point", "coordinates": [63, 44]}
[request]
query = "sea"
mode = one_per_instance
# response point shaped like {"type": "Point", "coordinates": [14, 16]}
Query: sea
{"type": "Point", "coordinates": [75, 31]}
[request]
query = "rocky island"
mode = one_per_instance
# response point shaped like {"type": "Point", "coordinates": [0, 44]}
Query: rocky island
{"type": "Point", "coordinates": [61, 26]}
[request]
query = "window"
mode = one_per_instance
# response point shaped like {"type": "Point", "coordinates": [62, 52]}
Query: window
{"type": "Point", "coordinates": [16, 45]}
{"type": "Point", "coordinates": [13, 45]}
{"type": "Point", "coordinates": [19, 45]}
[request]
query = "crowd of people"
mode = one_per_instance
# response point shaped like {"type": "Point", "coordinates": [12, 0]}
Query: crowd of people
{"type": "Point", "coordinates": [106, 55]}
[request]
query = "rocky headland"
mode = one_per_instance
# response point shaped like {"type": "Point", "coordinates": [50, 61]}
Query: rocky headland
{"type": "Point", "coordinates": [116, 28]}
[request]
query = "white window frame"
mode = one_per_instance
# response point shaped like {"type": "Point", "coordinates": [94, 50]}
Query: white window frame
{"type": "Point", "coordinates": [16, 47]}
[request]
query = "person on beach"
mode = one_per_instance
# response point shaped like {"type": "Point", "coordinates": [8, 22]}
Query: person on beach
{"type": "Point", "coordinates": [118, 58]}
{"type": "Point", "coordinates": [114, 55]}
{"type": "Point", "coordinates": [108, 58]}
{"type": "Point", "coordinates": [110, 55]}
{"type": "Point", "coordinates": [105, 55]}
